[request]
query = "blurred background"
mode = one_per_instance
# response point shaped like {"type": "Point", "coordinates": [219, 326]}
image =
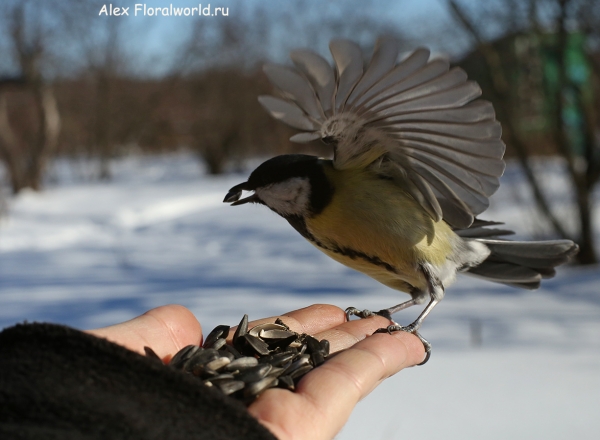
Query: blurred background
{"type": "Point", "coordinates": [121, 134]}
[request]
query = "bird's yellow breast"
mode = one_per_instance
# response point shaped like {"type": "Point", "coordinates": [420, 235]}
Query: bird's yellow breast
{"type": "Point", "coordinates": [371, 225]}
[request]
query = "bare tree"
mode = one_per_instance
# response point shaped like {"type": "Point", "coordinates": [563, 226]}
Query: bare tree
{"type": "Point", "coordinates": [222, 62]}
{"type": "Point", "coordinates": [110, 108]}
{"type": "Point", "coordinates": [24, 152]}
{"type": "Point", "coordinates": [105, 61]}
{"type": "Point", "coordinates": [30, 120]}
{"type": "Point", "coordinates": [534, 18]}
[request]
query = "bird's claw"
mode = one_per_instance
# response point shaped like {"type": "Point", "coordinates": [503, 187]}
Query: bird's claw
{"type": "Point", "coordinates": [353, 311]}
{"type": "Point", "coordinates": [396, 328]}
{"type": "Point", "coordinates": [412, 328]}
{"type": "Point", "coordinates": [408, 329]}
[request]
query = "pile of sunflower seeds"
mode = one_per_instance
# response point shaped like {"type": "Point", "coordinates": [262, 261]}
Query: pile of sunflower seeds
{"type": "Point", "coordinates": [266, 356]}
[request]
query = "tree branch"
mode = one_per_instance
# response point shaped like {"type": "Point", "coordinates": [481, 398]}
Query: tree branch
{"type": "Point", "coordinates": [501, 89]}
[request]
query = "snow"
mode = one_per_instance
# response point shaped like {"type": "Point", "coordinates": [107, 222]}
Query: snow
{"type": "Point", "coordinates": [505, 363]}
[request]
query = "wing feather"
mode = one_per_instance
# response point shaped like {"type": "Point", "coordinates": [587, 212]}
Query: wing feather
{"type": "Point", "coordinates": [443, 188]}
{"type": "Point", "coordinates": [303, 138]}
{"type": "Point", "coordinates": [319, 73]}
{"type": "Point", "coordinates": [416, 121]}
{"type": "Point", "coordinates": [476, 111]}
{"type": "Point", "coordinates": [449, 80]}
{"type": "Point", "coordinates": [415, 185]}
{"type": "Point", "coordinates": [414, 62]}
{"type": "Point", "coordinates": [493, 148]}
{"type": "Point", "coordinates": [480, 166]}
{"type": "Point", "coordinates": [349, 63]}
{"type": "Point", "coordinates": [295, 87]}
{"type": "Point", "coordinates": [429, 72]}
{"type": "Point", "coordinates": [466, 178]}
{"type": "Point", "coordinates": [384, 59]}
{"type": "Point", "coordinates": [480, 131]}
{"type": "Point", "coordinates": [452, 98]}
{"type": "Point", "coordinates": [287, 112]}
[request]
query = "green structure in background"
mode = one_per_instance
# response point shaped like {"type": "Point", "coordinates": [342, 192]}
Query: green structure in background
{"type": "Point", "coordinates": [532, 66]}
{"type": "Point", "coordinates": [578, 91]}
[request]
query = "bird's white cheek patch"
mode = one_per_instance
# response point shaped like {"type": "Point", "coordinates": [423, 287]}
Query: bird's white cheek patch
{"type": "Point", "coordinates": [290, 197]}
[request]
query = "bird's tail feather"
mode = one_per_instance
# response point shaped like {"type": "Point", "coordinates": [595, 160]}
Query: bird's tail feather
{"type": "Point", "coordinates": [522, 263]}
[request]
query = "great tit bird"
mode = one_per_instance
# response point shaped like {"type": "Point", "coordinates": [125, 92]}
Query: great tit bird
{"type": "Point", "coordinates": [415, 159]}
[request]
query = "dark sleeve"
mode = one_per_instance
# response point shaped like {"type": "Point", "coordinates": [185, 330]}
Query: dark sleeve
{"type": "Point", "coordinates": [57, 382]}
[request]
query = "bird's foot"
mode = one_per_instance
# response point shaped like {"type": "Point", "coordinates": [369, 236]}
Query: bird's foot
{"type": "Point", "coordinates": [353, 311]}
{"type": "Point", "coordinates": [409, 329]}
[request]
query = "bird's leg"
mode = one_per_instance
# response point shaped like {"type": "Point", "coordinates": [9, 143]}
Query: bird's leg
{"type": "Point", "coordinates": [416, 324]}
{"type": "Point", "coordinates": [436, 292]}
{"type": "Point", "coordinates": [414, 327]}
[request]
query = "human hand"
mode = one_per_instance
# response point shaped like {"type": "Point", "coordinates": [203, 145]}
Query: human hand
{"type": "Point", "coordinates": [325, 397]}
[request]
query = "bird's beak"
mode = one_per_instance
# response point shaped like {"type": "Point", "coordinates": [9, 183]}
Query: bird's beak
{"type": "Point", "coordinates": [235, 193]}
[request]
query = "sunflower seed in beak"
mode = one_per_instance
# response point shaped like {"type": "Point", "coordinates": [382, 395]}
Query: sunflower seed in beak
{"type": "Point", "coordinates": [232, 196]}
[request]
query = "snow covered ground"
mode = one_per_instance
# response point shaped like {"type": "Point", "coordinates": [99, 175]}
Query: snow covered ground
{"type": "Point", "coordinates": [505, 363]}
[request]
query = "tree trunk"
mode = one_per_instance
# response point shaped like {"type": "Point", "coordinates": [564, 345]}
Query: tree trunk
{"type": "Point", "coordinates": [583, 180]}
{"type": "Point", "coordinates": [24, 162]}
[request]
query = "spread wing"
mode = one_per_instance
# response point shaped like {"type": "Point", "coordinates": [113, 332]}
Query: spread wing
{"type": "Point", "coordinates": [415, 121]}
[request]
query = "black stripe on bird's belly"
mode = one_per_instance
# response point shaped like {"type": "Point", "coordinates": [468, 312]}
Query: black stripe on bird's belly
{"type": "Point", "coordinates": [354, 254]}
{"type": "Point", "coordinates": [299, 225]}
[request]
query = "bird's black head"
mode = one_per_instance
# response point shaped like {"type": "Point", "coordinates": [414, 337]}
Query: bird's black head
{"type": "Point", "coordinates": [292, 184]}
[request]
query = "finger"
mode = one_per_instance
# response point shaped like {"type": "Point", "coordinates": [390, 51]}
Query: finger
{"type": "Point", "coordinates": [315, 318]}
{"type": "Point", "coordinates": [326, 322]}
{"type": "Point", "coordinates": [165, 329]}
{"type": "Point", "coordinates": [352, 374]}
{"type": "Point", "coordinates": [311, 320]}
{"type": "Point", "coordinates": [349, 333]}
{"type": "Point", "coordinates": [328, 394]}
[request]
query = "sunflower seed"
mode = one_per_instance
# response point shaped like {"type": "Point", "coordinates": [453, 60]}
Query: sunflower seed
{"type": "Point", "coordinates": [249, 344]}
{"type": "Point", "coordinates": [201, 358]}
{"type": "Point", "coordinates": [317, 358]}
{"type": "Point", "coordinates": [268, 355]}
{"type": "Point", "coordinates": [276, 371]}
{"type": "Point", "coordinates": [291, 349]}
{"type": "Point", "coordinates": [312, 345]}
{"type": "Point", "coordinates": [300, 362]}
{"type": "Point", "coordinates": [279, 344]}
{"type": "Point", "coordinates": [325, 345]}
{"type": "Point", "coordinates": [218, 363]}
{"type": "Point", "coordinates": [183, 355]}
{"type": "Point", "coordinates": [219, 343]}
{"type": "Point", "coordinates": [255, 331]}
{"type": "Point", "coordinates": [203, 372]}
{"type": "Point", "coordinates": [295, 344]}
{"type": "Point", "coordinates": [242, 363]}
{"type": "Point", "coordinates": [219, 332]}
{"type": "Point", "coordinates": [231, 349]}
{"type": "Point", "coordinates": [279, 359]}
{"type": "Point", "coordinates": [301, 371]}
{"type": "Point", "coordinates": [275, 334]}
{"type": "Point", "coordinates": [231, 386]}
{"type": "Point", "coordinates": [255, 373]}
{"type": "Point", "coordinates": [227, 354]}
{"type": "Point", "coordinates": [286, 382]}
{"type": "Point", "coordinates": [302, 349]}
{"type": "Point", "coordinates": [241, 330]}
{"type": "Point", "coordinates": [255, 388]}
{"type": "Point", "coordinates": [221, 377]}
